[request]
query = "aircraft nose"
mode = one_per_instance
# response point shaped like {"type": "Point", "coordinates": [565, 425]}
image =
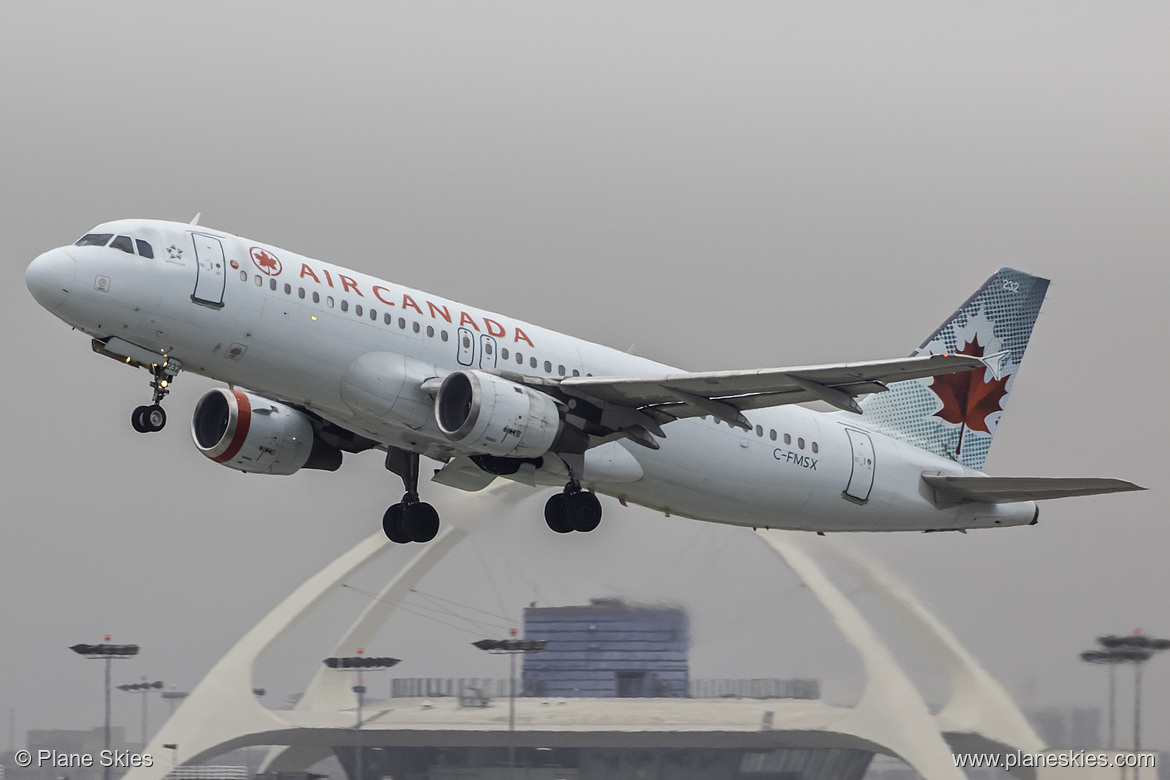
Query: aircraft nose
{"type": "Point", "coordinates": [50, 277]}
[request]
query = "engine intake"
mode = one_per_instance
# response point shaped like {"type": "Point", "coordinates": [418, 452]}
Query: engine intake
{"type": "Point", "coordinates": [493, 416]}
{"type": "Point", "coordinates": [252, 434]}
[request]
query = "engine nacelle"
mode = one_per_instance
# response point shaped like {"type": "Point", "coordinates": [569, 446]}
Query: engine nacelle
{"type": "Point", "coordinates": [493, 416]}
{"type": "Point", "coordinates": [249, 433]}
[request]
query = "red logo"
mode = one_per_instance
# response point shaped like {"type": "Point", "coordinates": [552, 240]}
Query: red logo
{"type": "Point", "coordinates": [265, 261]}
{"type": "Point", "coordinates": [968, 400]}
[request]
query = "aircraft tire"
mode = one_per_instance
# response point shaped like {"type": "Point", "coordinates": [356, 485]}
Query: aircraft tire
{"type": "Point", "coordinates": [554, 514]}
{"type": "Point", "coordinates": [138, 419]}
{"type": "Point", "coordinates": [392, 525]}
{"type": "Point", "coordinates": [582, 511]}
{"type": "Point", "coordinates": [420, 521]}
{"type": "Point", "coordinates": [155, 418]}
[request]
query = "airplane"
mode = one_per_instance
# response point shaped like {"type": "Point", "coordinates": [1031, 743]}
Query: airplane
{"type": "Point", "coordinates": [335, 361]}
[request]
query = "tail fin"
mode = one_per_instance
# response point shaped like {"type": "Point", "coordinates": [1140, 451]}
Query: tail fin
{"type": "Point", "coordinates": [957, 415]}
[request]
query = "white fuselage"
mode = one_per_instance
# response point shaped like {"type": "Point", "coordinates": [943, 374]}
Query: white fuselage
{"type": "Point", "coordinates": [290, 327]}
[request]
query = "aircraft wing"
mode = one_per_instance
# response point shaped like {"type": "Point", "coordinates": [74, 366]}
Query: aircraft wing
{"type": "Point", "coordinates": [1003, 490]}
{"type": "Point", "coordinates": [726, 394]}
{"type": "Point", "coordinates": [638, 406]}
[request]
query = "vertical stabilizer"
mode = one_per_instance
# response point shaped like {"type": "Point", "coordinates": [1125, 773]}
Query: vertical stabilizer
{"type": "Point", "coordinates": [956, 415]}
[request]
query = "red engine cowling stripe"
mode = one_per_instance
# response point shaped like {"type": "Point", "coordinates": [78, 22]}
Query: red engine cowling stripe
{"type": "Point", "coordinates": [243, 423]}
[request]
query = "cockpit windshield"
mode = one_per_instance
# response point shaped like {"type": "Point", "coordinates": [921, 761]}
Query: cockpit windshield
{"type": "Point", "coordinates": [94, 239]}
{"type": "Point", "coordinates": [125, 243]}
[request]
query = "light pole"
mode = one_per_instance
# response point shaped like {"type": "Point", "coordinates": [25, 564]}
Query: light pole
{"type": "Point", "coordinates": [511, 647]}
{"type": "Point", "coordinates": [1109, 658]}
{"type": "Point", "coordinates": [1139, 648]}
{"type": "Point", "coordinates": [357, 663]}
{"type": "Point", "coordinates": [172, 698]}
{"type": "Point", "coordinates": [144, 688]}
{"type": "Point", "coordinates": [109, 653]}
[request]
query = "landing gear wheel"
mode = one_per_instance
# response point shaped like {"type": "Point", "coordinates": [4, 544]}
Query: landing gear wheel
{"type": "Point", "coordinates": [154, 417]}
{"type": "Point", "coordinates": [420, 521]}
{"type": "Point", "coordinates": [138, 419]}
{"type": "Point", "coordinates": [392, 525]}
{"type": "Point", "coordinates": [582, 511]}
{"type": "Point", "coordinates": [554, 514]}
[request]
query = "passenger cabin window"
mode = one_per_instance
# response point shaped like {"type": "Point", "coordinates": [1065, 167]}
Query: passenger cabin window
{"type": "Point", "coordinates": [124, 243]}
{"type": "Point", "coordinates": [144, 248]}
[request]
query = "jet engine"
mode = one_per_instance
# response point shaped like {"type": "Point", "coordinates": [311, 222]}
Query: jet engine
{"type": "Point", "coordinates": [493, 416]}
{"type": "Point", "coordinates": [252, 434]}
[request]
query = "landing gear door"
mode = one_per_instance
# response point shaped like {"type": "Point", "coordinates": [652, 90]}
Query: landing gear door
{"type": "Point", "coordinates": [209, 271]}
{"type": "Point", "coordinates": [487, 351]}
{"type": "Point", "coordinates": [466, 347]}
{"type": "Point", "coordinates": [861, 477]}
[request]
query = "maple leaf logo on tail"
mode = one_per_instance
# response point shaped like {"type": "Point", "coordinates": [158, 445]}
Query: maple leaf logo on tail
{"type": "Point", "coordinates": [968, 399]}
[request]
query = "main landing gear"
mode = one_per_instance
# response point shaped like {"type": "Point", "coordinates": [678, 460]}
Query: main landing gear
{"type": "Point", "coordinates": [410, 520]}
{"type": "Point", "coordinates": [574, 509]}
{"type": "Point", "coordinates": [152, 418]}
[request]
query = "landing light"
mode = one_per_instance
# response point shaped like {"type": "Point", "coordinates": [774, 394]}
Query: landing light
{"type": "Point", "coordinates": [163, 383]}
{"type": "Point", "coordinates": [314, 317]}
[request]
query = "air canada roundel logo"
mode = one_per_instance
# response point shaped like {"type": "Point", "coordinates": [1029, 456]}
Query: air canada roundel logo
{"type": "Point", "coordinates": [265, 261]}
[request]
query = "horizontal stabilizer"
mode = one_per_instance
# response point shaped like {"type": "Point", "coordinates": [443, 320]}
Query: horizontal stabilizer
{"type": "Point", "coordinates": [1005, 490]}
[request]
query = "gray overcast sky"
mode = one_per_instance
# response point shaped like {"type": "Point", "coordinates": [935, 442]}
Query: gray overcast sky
{"type": "Point", "coordinates": [720, 185]}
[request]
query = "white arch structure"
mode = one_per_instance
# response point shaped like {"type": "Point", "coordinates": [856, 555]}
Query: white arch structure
{"type": "Point", "coordinates": [222, 713]}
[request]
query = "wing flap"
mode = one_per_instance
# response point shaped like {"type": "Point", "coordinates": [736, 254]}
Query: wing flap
{"type": "Point", "coordinates": [1004, 490]}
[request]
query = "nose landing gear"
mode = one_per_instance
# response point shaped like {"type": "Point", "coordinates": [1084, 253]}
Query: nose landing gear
{"type": "Point", "coordinates": [152, 418]}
